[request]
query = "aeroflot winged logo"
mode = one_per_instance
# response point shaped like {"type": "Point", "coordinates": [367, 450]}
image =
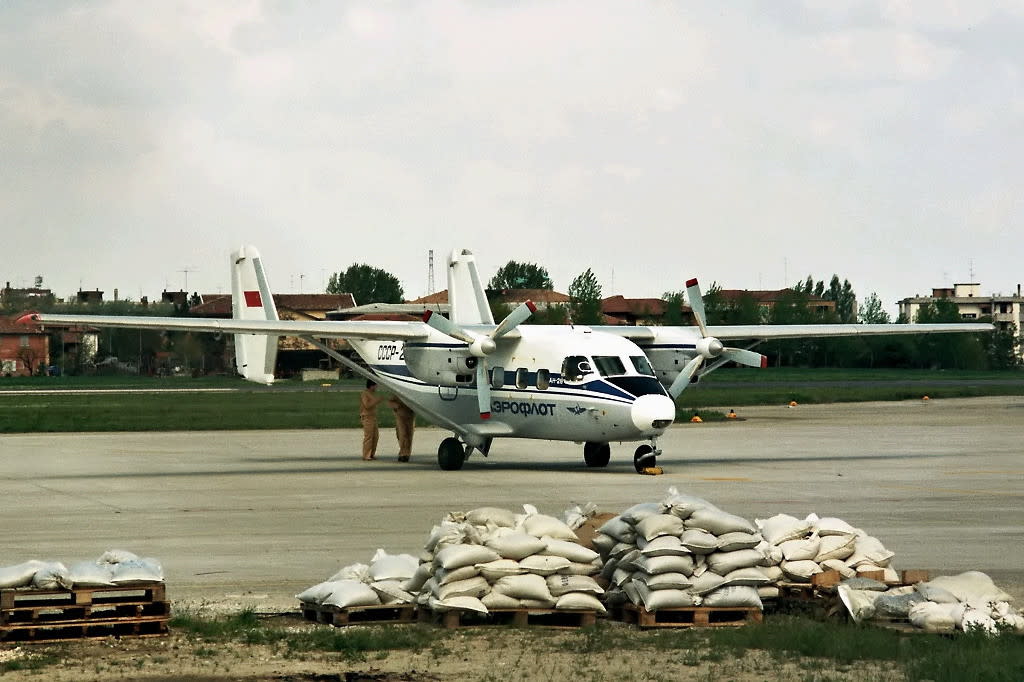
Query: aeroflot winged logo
{"type": "Point", "coordinates": [577, 410]}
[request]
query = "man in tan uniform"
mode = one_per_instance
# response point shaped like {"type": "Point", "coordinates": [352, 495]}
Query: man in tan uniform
{"type": "Point", "coordinates": [368, 402]}
{"type": "Point", "coordinates": [405, 422]}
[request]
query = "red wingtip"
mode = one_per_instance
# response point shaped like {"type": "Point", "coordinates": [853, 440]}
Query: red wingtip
{"type": "Point", "coordinates": [532, 306]}
{"type": "Point", "coordinates": [691, 282]}
{"type": "Point", "coordinates": [427, 314]}
{"type": "Point", "coordinates": [28, 318]}
{"type": "Point", "coordinates": [485, 415]}
{"type": "Point", "coordinates": [764, 362]}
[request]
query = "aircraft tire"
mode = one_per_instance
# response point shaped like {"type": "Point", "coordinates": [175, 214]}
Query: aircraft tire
{"type": "Point", "coordinates": [597, 454]}
{"type": "Point", "coordinates": [451, 454]}
{"type": "Point", "coordinates": [643, 458]}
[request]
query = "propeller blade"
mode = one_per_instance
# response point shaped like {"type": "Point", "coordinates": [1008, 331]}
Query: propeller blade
{"type": "Point", "coordinates": [683, 380]}
{"type": "Point", "coordinates": [446, 326]}
{"type": "Point", "coordinates": [483, 390]}
{"type": "Point", "coordinates": [742, 356]}
{"type": "Point", "coordinates": [696, 304]}
{"type": "Point", "coordinates": [514, 319]}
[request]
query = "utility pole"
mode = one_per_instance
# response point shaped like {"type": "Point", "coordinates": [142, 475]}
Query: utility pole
{"type": "Point", "coordinates": [430, 271]}
{"type": "Point", "coordinates": [186, 271]}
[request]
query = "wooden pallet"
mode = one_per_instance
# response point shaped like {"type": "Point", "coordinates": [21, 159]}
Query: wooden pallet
{"type": "Point", "coordinates": [133, 610]}
{"type": "Point", "coordinates": [359, 615]}
{"type": "Point", "coordinates": [544, 618]}
{"type": "Point", "coordinates": [690, 616]}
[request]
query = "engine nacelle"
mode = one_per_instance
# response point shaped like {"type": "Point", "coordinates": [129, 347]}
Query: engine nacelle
{"type": "Point", "coordinates": [442, 366]}
{"type": "Point", "coordinates": [668, 362]}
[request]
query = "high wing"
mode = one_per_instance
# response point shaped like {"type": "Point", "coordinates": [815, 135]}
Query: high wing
{"type": "Point", "coordinates": [406, 331]}
{"type": "Point", "coordinates": [790, 331]}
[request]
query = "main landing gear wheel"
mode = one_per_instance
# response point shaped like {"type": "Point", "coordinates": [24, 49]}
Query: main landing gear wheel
{"type": "Point", "coordinates": [597, 454]}
{"type": "Point", "coordinates": [643, 458]}
{"type": "Point", "coordinates": [451, 454]}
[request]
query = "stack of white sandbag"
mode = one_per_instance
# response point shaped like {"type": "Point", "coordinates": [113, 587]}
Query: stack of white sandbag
{"type": "Point", "coordinates": [114, 567]}
{"type": "Point", "coordinates": [682, 551]}
{"type": "Point", "coordinates": [492, 558]}
{"type": "Point", "coordinates": [800, 548]}
{"type": "Point", "coordinates": [382, 582]}
{"type": "Point", "coordinates": [966, 601]}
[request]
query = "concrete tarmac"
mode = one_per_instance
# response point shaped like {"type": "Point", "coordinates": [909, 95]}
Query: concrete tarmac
{"type": "Point", "coordinates": [254, 517]}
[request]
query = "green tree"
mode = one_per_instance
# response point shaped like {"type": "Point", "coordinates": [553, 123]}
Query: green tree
{"type": "Point", "coordinates": [585, 299]}
{"type": "Point", "coordinates": [673, 308]}
{"type": "Point", "coordinates": [1001, 347]}
{"type": "Point", "coordinates": [366, 284]}
{"type": "Point", "coordinates": [872, 312]}
{"type": "Point", "coordinates": [947, 351]}
{"type": "Point", "coordinates": [516, 275]}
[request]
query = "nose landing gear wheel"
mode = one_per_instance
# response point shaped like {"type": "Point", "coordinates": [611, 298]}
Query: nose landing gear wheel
{"type": "Point", "coordinates": [451, 454]}
{"type": "Point", "coordinates": [643, 458]}
{"type": "Point", "coordinates": [597, 454]}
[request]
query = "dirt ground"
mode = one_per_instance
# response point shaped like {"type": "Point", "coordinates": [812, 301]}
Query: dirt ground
{"type": "Point", "coordinates": [497, 654]}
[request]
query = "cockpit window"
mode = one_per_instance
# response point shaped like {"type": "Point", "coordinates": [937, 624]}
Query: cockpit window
{"type": "Point", "coordinates": [609, 365]}
{"type": "Point", "coordinates": [575, 367]}
{"type": "Point", "coordinates": [642, 365]}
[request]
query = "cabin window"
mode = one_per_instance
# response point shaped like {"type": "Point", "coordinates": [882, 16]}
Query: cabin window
{"type": "Point", "coordinates": [24, 341]}
{"type": "Point", "coordinates": [609, 365]}
{"type": "Point", "coordinates": [522, 378]}
{"type": "Point", "coordinates": [575, 367]}
{"type": "Point", "coordinates": [497, 377]}
{"type": "Point", "coordinates": [642, 365]}
{"type": "Point", "coordinates": [543, 379]}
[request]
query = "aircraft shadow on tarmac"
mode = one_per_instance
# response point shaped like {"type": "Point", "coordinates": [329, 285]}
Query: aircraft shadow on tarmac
{"type": "Point", "coordinates": [384, 466]}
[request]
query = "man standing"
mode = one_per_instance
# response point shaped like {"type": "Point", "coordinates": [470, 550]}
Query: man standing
{"type": "Point", "coordinates": [405, 422]}
{"type": "Point", "coordinates": [368, 402]}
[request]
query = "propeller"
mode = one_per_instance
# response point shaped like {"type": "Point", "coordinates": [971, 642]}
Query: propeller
{"type": "Point", "coordinates": [708, 347]}
{"type": "Point", "coordinates": [480, 346]}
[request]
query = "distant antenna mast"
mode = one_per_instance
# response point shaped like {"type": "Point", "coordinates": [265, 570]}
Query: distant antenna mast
{"type": "Point", "coordinates": [430, 271]}
{"type": "Point", "coordinates": [970, 269]}
{"type": "Point", "coordinates": [186, 271]}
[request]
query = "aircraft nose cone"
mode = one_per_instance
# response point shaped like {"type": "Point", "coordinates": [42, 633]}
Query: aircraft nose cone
{"type": "Point", "coordinates": [653, 413]}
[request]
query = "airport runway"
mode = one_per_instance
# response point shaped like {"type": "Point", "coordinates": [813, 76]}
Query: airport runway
{"type": "Point", "coordinates": [257, 516]}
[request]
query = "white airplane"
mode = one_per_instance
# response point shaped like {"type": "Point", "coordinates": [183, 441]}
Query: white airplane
{"type": "Point", "coordinates": [591, 385]}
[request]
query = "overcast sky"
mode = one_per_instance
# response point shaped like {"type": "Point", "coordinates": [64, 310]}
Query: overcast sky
{"type": "Point", "coordinates": [749, 143]}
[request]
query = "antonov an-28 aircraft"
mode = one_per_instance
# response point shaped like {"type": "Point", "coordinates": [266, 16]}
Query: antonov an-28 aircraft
{"type": "Point", "coordinates": [482, 381]}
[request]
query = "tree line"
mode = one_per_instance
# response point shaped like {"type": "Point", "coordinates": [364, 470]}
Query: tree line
{"type": "Point", "coordinates": [795, 305]}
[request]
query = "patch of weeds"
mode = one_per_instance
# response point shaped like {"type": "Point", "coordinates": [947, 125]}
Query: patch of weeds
{"type": "Point", "coordinates": [219, 628]}
{"type": "Point", "coordinates": [804, 637]}
{"type": "Point", "coordinates": [32, 662]}
{"type": "Point", "coordinates": [972, 655]}
{"type": "Point", "coordinates": [205, 652]}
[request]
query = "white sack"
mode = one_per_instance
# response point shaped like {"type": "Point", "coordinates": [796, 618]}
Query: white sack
{"type": "Point", "coordinates": [718, 522]}
{"type": "Point", "coordinates": [19, 575]}
{"type": "Point", "coordinates": [570, 550]}
{"type": "Point", "coordinates": [386, 566]}
{"type": "Point", "coordinates": [782, 527]}
{"type": "Point", "coordinates": [638, 512]}
{"type": "Point", "coordinates": [527, 586]}
{"type": "Point", "coordinates": [561, 584]}
{"type": "Point", "coordinates": [800, 571]}
{"type": "Point", "coordinates": [91, 574]}
{"type": "Point", "coordinates": [800, 550]}
{"type": "Point", "coordinates": [391, 592]}
{"type": "Point", "coordinates": [662, 546]}
{"type": "Point", "coordinates": [839, 566]}
{"type": "Point", "coordinates": [698, 541]}
{"type": "Point", "coordinates": [603, 543]}
{"type": "Point", "coordinates": [492, 570]}
{"type": "Point", "coordinates": [860, 604]}
{"type": "Point", "coordinates": [869, 550]}
{"type": "Point", "coordinates": [706, 582]}
{"type": "Point", "coordinates": [458, 604]}
{"type": "Point", "coordinates": [116, 556]}
{"type": "Point", "coordinates": [517, 545]}
{"type": "Point", "coordinates": [492, 516]}
{"type": "Point", "coordinates": [577, 515]}
{"type": "Point", "coordinates": [750, 577]}
{"type": "Point", "coordinates": [471, 587]}
{"type": "Point", "coordinates": [317, 593]}
{"type": "Point", "coordinates": [542, 525]}
{"type": "Point", "coordinates": [579, 601]}
{"type": "Point", "coordinates": [576, 568]}
{"type": "Point", "coordinates": [971, 586]}
{"type": "Point", "coordinates": [358, 572]}
{"type": "Point", "coordinates": [346, 593]}
{"type": "Point", "coordinates": [835, 547]}
{"type": "Point", "coordinates": [935, 593]}
{"type": "Point", "coordinates": [830, 525]}
{"type": "Point", "coordinates": [665, 564]}
{"type": "Point", "coordinates": [656, 525]}
{"type": "Point", "coordinates": [663, 581]}
{"type": "Point", "coordinates": [457, 556]}
{"type": "Point", "coordinates": [422, 574]}
{"type": "Point", "coordinates": [138, 570]}
{"type": "Point", "coordinates": [730, 542]}
{"type": "Point", "coordinates": [683, 505]}
{"type": "Point", "coordinates": [734, 596]}
{"type": "Point", "coordinates": [544, 564]}
{"type": "Point", "coordinates": [620, 530]}
{"type": "Point", "coordinates": [443, 577]}
{"type": "Point", "coordinates": [933, 617]}
{"type": "Point", "coordinates": [654, 600]}
{"type": "Point", "coordinates": [496, 600]}
{"type": "Point", "coordinates": [725, 562]}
